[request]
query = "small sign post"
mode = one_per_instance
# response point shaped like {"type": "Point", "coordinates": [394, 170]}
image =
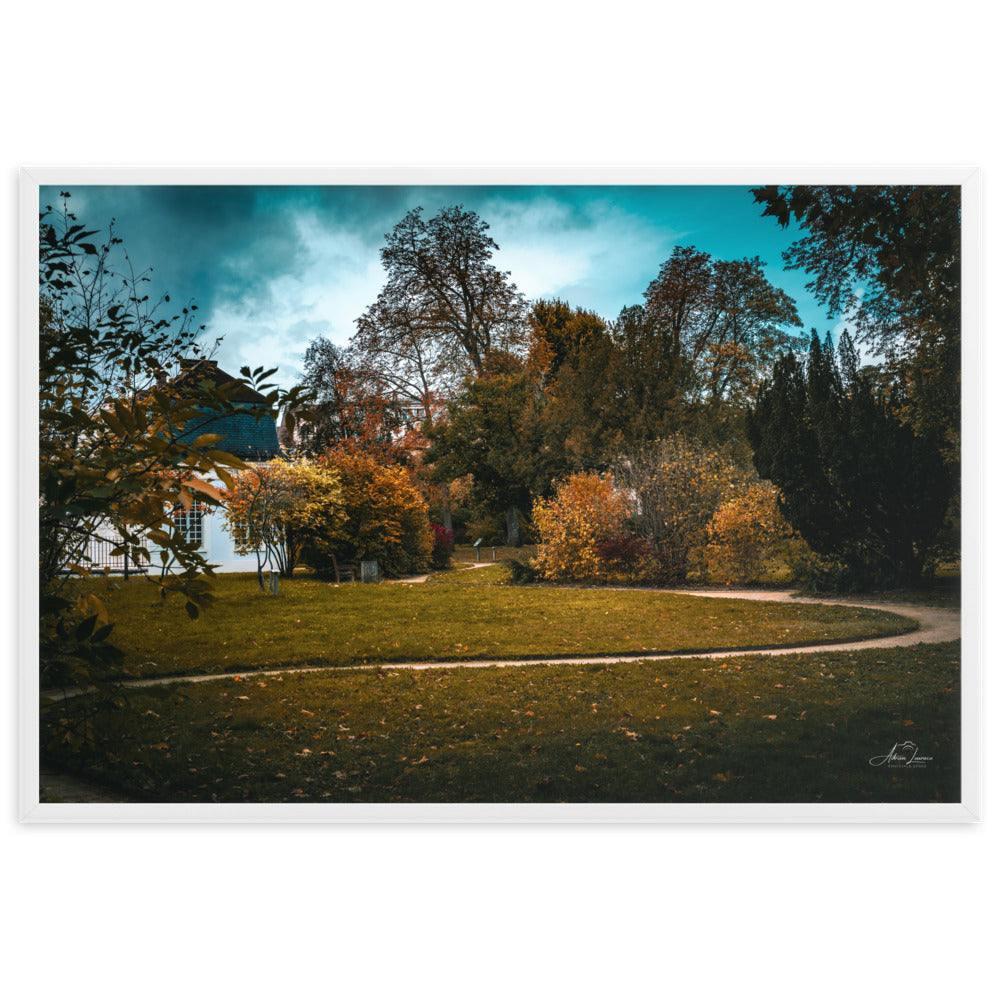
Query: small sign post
{"type": "Point", "coordinates": [476, 545]}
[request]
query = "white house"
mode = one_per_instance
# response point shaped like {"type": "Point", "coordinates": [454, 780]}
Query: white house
{"type": "Point", "coordinates": [248, 438]}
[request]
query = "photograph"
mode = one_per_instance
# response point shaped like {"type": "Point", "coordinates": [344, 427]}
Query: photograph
{"type": "Point", "coordinates": [397, 495]}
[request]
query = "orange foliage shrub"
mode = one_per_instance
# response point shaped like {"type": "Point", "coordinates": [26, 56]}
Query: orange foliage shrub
{"type": "Point", "coordinates": [385, 515]}
{"type": "Point", "coordinates": [586, 512]}
{"type": "Point", "coordinates": [743, 532]}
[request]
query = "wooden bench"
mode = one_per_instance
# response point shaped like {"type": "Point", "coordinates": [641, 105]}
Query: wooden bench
{"type": "Point", "coordinates": [347, 573]}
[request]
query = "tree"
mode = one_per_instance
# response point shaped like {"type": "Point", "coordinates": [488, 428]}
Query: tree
{"type": "Point", "coordinates": [276, 509]}
{"type": "Point", "coordinates": [725, 317]}
{"type": "Point", "coordinates": [121, 443]}
{"type": "Point", "coordinates": [647, 379]}
{"type": "Point", "coordinates": [560, 337]}
{"type": "Point", "coordinates": [385, 517]}
{"type": "Point", "coordinates": [489, 431]}
{"type": "Point", "coordinates": [858, 484]}
{"type": "Point", "coordinates": [887, 260]}
{"type": "Point", "coordinates": [586, 511]}
{"type": "Point", "coordinates": [674, 487]}
{"type": "Point", "coordinates": [350, 409]}
{"type": "Point", "coordinates": [580, 415]}
{"type": "Point", "coordinates": [444, 308]}
{"type": "Point", "coordinates": [743, 532]}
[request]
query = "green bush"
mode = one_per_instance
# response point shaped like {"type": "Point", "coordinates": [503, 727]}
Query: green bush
{"type": "Point", "coordinates": [822, 574]}
{"type": "Point", "coordinates": [520, 571]}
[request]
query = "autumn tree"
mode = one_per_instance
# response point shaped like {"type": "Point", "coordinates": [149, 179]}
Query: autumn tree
{"type": "Point", "coordinates": [674, 487]}
{"type": "Point", "coordinates": [120, 445]}
{"type": "Point", "coordinates": [384, 517]}
{"type": "Point", "coordinates": [351, 409]}
{"type": "Point", "coordinates": [276, 509]}
{"type": "Point", "coordinates": [561, 337]}
{"type": "Point", "coordinates": [444, 309]}
{"type": "Point", "coordinates": [887, 260]}
{"type": "Point", "coordinates": [859, 485]}
{"type": "Point", "coordinates": [445, 306]}
{"type": "Point", "coordinates": [744, 530]}
{"type": "Point", "coordinates": [490, 431]}
{"type": "Point", "coordinates": [647, 380]}
{"type": "Point", "coordinates": [580, 415]}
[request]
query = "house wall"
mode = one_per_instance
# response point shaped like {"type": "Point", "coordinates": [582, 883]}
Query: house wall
{"type": "Point", "coordinates": [218, 546]}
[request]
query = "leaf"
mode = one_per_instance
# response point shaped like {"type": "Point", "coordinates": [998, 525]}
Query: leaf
{"type": "Point", "coordinates": [202, 487]}
{"type": "Point", "coordinates": [102, 633]}
{"type": "Point", "coordinates": [85, 628]}
{"type": "Point", "coordinates": [204, 440]}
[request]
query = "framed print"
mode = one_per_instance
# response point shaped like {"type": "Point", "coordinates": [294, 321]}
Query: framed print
{"type": "Point", "coordinates": [540, 495]}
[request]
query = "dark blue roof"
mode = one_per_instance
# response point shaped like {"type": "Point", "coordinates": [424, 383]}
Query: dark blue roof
{"type": "Point", "coordinates": [243, 435]}
{"type": "Point", "coordinates": [249, 434]}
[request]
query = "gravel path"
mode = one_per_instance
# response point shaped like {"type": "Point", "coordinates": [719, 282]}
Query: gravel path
{"type": "Point", "coordinates": [935, 625]}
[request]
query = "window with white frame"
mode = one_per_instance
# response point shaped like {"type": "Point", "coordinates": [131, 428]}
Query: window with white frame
{"type": "Point", "coordinates": [190, 522]}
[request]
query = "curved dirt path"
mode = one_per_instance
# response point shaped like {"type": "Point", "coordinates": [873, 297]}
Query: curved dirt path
{"type": "Point", "coordinates": [934, 625]}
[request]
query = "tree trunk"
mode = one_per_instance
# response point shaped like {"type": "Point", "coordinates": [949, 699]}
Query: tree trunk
{"type": "Point", "coordinates": [446, 508]}
{"type": "Point", "coordinates": [513, 528]}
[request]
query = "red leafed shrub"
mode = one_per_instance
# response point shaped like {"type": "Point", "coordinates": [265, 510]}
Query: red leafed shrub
{"type": "Point", "coordinates": [442, 546]}
{"type": "Point", "coordinates": [626, 555]}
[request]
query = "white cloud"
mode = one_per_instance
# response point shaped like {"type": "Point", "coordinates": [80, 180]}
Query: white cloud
{"type": "Point", "coordinates": [335, 277]}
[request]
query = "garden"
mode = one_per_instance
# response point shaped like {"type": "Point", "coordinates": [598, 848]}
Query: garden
{"type": "Point", "coordinates": [619, 478]}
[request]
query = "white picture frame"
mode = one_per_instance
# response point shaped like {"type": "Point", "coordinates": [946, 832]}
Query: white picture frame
{"type": "Point", "coordinates": [32, 810]}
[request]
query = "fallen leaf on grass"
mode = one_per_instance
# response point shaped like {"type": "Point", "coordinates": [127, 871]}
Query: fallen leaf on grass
{"type": "Point", "coordinates": [768, 716]}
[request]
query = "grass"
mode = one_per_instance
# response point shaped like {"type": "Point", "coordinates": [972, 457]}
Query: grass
{"type": "Point", "coordinates": [789, 728]}
{"type": "Point", "coordinates": [317, 623]}
{"type": "Point", "coordinates": [494, 575]}
{"type": "Point", "coordinates": [467, 554]}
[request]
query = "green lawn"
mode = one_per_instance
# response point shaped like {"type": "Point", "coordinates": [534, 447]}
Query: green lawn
{"type": "Point", "coordinates": [790, 728]}
{"type": "Point", "coordinates": [317, 623]}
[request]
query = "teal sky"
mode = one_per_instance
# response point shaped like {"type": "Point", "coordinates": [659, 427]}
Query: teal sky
{"type": "Point", "coordinates": [271, 268]}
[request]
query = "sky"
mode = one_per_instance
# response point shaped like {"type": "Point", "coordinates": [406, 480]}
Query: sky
{"type": "Point", "coordinates": [272, 268]}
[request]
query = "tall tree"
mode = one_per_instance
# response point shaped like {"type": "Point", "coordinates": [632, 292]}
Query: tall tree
{"type": "Point", "coordinates": [490, 431]}
{"type": "Point", "coordinates": [352, 410]}
{"type": "Point", "coordinates": [445, 306]}
{"type": "Point", "coordinates": [561, 336]}
{"type": "Point", "coordinates": [888, 261]}
{"type": "Point", "coordinates": [444, 310]}
{"type": "Point", "coordinates": [648, 379]}
{"type": "Point", "coordinates": [725, 317]}
{"type": "Point", "coordinates": [575, 359]}
{"type": "Point", "coordinates": [855, 482]}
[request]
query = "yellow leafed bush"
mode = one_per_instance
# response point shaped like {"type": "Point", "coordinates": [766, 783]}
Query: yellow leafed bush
{"type": "Point", "coordinates": [277, 508]}
{"type": "Point", "coordinates": [743, 532]}
{"type": "Point", "coordinates": [586, 511]}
